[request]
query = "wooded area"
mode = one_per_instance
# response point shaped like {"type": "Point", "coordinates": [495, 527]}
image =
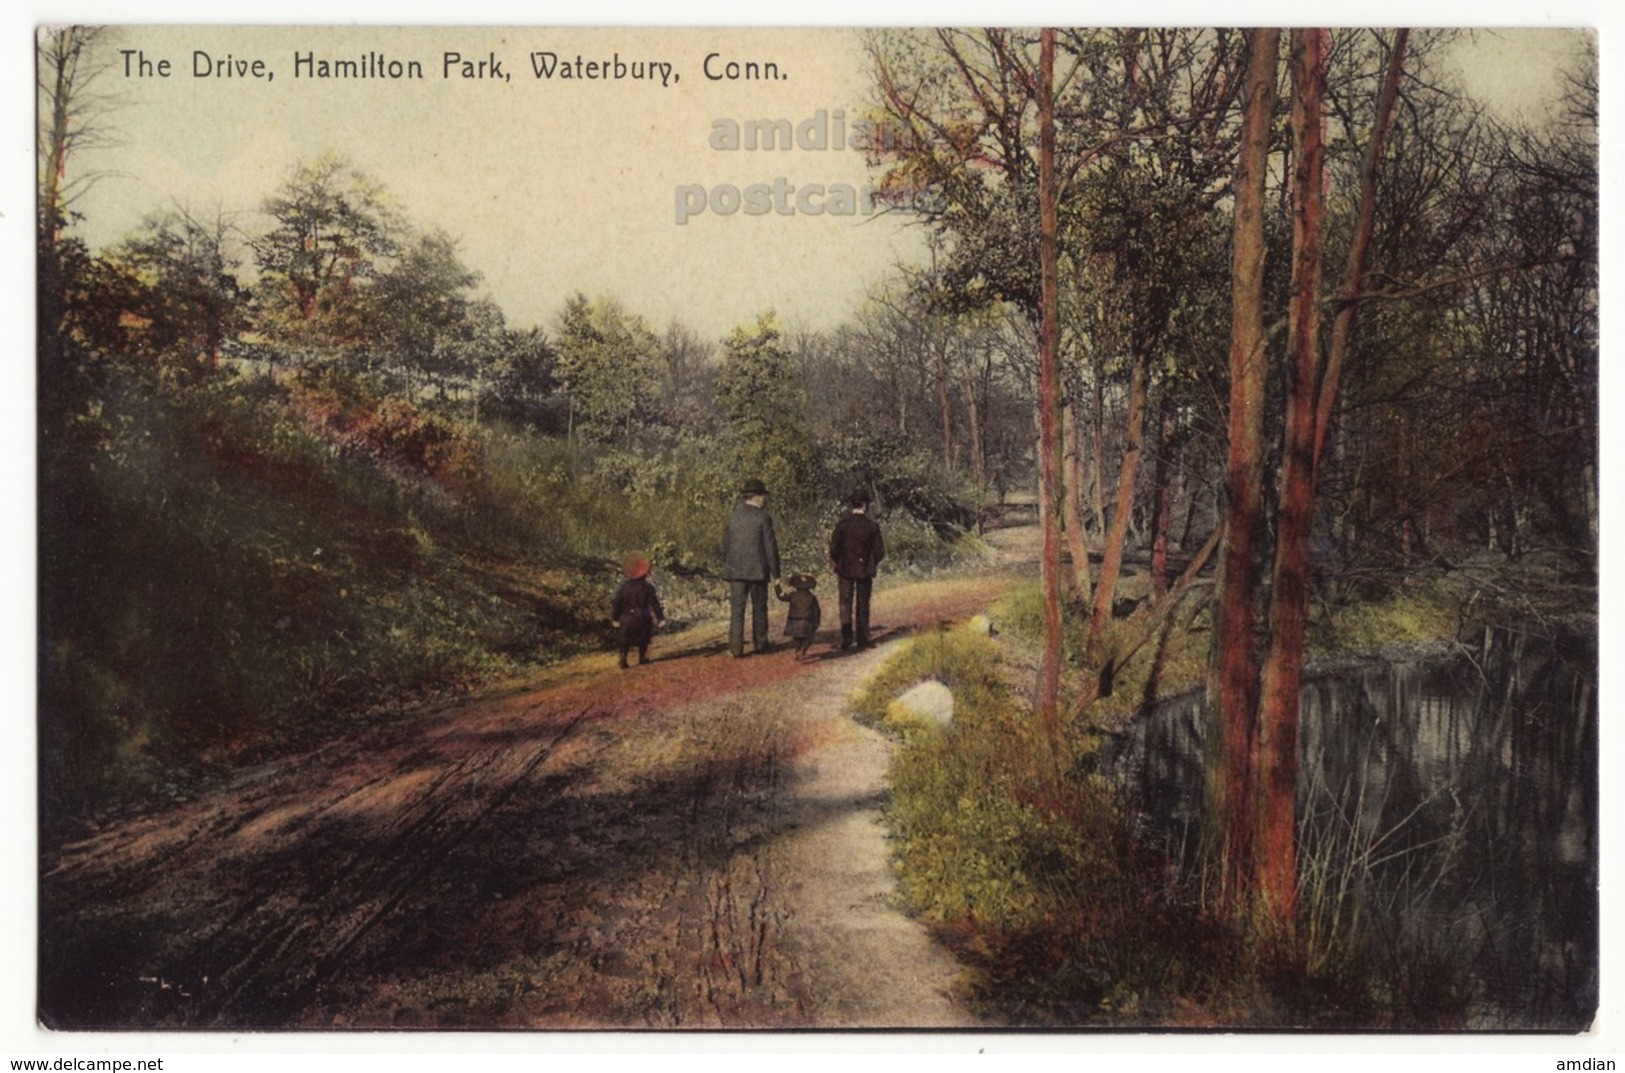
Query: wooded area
{"type": "Point", "coordinates": [1168, 147]}
{"type": "Point", "coordinates": [1289, 309]}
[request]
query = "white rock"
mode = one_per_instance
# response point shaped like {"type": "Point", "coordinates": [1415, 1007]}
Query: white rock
{"type": "Point", "coordinates": [930, 701]}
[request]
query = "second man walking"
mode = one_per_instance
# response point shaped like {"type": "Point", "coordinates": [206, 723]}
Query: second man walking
{"type": "Point", "coordinates": [855, 551]}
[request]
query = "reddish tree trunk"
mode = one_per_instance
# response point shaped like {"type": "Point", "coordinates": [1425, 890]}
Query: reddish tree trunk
{"type": "Point", "coordinates": [1275, 848]}
{"type": "Point", "coordinates": [1162, 515]}
{"type": "Point", "coordinates": [1111, 559]}
{"type": "Point", "coordinates": [1097, 449]}
{"type": "Point", "coordinates": [978, 459]}
{"type": "Point", "coordinates": [1049, 390]}
{"type": "Point", "coordinates": [1230, 782]}
{"type": "Point", "coordinates": [1077, 548]}
{"type": "Point", "coordinates": [1359, 248]}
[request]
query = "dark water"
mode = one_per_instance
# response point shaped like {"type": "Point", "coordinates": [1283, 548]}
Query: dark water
{"type": "Point", "coordinates": [1448, 835]}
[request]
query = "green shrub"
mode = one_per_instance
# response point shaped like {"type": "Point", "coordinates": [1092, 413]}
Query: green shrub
{"type": "Point", "coordinates": [961, 827]}
{"type": "Point", "coordinates": [1420, 613]}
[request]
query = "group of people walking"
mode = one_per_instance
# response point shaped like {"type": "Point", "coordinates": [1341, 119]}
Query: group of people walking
{"type": "Point", "coordinates": [750, 560]}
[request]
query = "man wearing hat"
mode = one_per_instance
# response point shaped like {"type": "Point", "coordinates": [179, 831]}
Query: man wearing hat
{"type": "Point", "coordinates": [855, 550]}
{"type": "Point", "coordinates": [750, 558]}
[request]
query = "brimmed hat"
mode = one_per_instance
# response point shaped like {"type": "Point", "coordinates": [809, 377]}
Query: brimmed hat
{"type": "Point", "coordinates": [802, 581]}
{"type": "Point", "coordinates": [753, 487]}
{"type": "Point", "coordinates": [636, 565]}
{"type": "Point", "coordinates": [858, 499]}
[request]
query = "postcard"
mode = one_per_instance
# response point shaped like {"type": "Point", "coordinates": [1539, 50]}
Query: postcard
{"type": "Point", "coordinates": [668, 529]}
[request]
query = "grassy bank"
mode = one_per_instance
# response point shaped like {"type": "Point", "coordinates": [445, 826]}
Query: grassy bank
{"type": "Point", "coordinates": [237, 568]}
{"type": "Point", "coordinates": [1034, 882]}
{"type": "Point", "coordinates": [1038, 880]}
{"type": "Point", "coordinates": [225, 573]}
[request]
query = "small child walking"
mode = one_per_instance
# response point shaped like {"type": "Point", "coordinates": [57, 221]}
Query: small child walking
{"type": "Point", "coordinates": [802, 622]}
{"type": "Point", "coordinates": [636, 609]}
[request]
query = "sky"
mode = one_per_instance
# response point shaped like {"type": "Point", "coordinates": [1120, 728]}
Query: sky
{"type": "Point", "coordinates": [550, 185]}
{"type": "Point", "coordinates": [553, 189]}
{"type": "Point", "coordinates": [610, 186]}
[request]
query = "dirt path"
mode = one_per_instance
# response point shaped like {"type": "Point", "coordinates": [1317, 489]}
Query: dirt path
{"type": "Point", "coordinates": [692, 844]}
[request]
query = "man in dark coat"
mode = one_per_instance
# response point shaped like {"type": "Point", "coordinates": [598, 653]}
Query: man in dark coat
{"type": "Point", "coordinates": [750, 558]}
{"type": "Point", "coordinates": [855, 550]}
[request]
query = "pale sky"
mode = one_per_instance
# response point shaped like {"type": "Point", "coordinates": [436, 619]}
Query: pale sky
{"type": "Point", "coordinates": [555, 185]}
{"type": "Point", "coordinates": [550, 185]}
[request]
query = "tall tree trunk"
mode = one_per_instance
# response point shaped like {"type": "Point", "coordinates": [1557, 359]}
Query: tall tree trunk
{"type": "Point", "coordinates": [1077, 547]}
{"type": "Point", "coordinates": [57, 59]}
{"type": "Point", "coordinates": [1163, 509]}
{"type": "Point", "coordinates": [1229, 835]}
{"type": "Point", "coordinates": [1097, 446]}
{"type": "Point", "coordinates": [978, 451]}
{"type": "Point", "coordinates": [1275, 848]}
{"type": "Point", "coordinates": [945, 405]}
{"type": "Point", "coordinates": [1049, 390]}
{"type": "Point", "coordinates": [1111, 559]}
{"type": "Point", "coordinates": [1359, 248]}
{"type": "Point", "coordinates": [56, 168]}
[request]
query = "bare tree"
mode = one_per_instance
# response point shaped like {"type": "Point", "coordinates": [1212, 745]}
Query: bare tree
{"type": "Point", "coordinates": [73, 111]}
{"type": "Point", "coordinates": [72, 117]}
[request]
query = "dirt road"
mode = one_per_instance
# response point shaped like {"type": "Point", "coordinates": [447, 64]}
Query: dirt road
{"type": "Point", "coordinates": [692, 844]}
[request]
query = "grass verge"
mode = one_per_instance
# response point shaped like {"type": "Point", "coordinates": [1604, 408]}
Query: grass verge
{"type": "Point", "coordinates": [1035, 883]}
{"type": "Point", "coordinates": [1039, 883]}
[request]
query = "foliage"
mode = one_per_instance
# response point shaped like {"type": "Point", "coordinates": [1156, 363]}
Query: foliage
{"type": "Point", "coordinates": [1424, 613]}
{"type": "Point", "coordinates": [225, 568]}
{"type": "Point", "coordinates": [349, 541]}
{"type": "Point", "coordinates": [426, 319]}
{"type": "Point", "coordinates": [190, 302]}
{"type": "Point", "coordinates": [766, 409]}
{"type": "Point", "coordinates": [606, 363]}
{"type": "Point", "coordinates": [334, 229]}
{"type": "Point", "coordinates": [899, 479]}
{"type": "Point", "coordinates": [1047, 888]}
{"type": "Point", "coordinates": [521, 381]}
{"type": "Point", "coordinates": [227, 565]}
{"type": "Point", "coordinates": [954, 805]}
{"type": "Point", "coordinates": [955, 117]}
{"type": "Point", "coordinates": [353, 412]}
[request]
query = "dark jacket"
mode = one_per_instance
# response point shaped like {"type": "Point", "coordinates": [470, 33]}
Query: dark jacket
{"type": "Point", "coordinates": [750, 550]}
{"type": "Point", "coordinates": [636, 608]}
{"type": "Point", "coordinates": [802, 622]}
{"type": "Point", "coordinates": [855, 547]}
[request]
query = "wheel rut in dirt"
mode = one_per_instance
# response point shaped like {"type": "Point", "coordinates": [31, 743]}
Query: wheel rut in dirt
{"type": "Point", "coordinates": [241, 920]}
{"type": "Point", "coordinates": [694, 844]}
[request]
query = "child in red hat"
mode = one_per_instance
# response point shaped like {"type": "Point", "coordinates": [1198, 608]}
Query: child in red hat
{"type": "Point", "coordinates": [636, 609]}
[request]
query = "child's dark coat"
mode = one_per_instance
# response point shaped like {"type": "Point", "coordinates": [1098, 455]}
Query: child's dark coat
{"type": "Point", "coordinates": [636, 609]}
{"type": "Point", "coordinates": [802, 623]}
